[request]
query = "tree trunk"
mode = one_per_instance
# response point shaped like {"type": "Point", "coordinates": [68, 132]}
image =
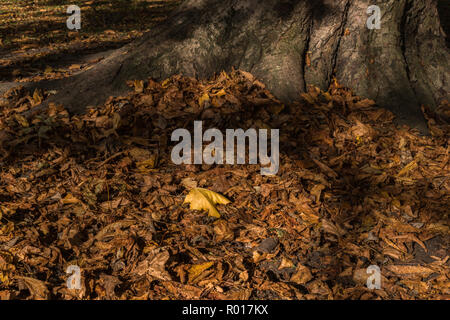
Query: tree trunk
{"type": "Point", "coordinates": [288, 45]}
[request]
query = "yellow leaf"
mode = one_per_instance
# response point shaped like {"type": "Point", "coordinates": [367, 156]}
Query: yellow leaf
{"type": "Point", "coordinates": [327, 96]}
{"type": "Point", "coordinates": [145, 165]}
{"type": "Point", "coordinates": [196, 270]}
{"type": "Point", "coordinates": [220, 93]}
{"type": "Point", "coordinates": [203, 99]}
{"type": "Point", "coordinates": [336, 83]}
{"type": "Point", "coordinates": [165, 83]}
{"type": "Point", "coordinates": [203, 199]}
{"type": "Point", "coordinates": [4, 278]}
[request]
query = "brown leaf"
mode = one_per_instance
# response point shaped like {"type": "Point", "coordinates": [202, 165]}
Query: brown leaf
{"type": "Point", "coordinates": [154, 264]}
{"type": "Point", "coordinates": [302, 275]}
{"type": "Point", "coordinates": [38, 288]}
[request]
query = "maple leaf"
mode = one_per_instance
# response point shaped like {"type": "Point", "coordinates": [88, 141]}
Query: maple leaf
{"type": "Point", "coordinates": [203, 99]}
{"type": "Point", "coordinates": [204, 199]}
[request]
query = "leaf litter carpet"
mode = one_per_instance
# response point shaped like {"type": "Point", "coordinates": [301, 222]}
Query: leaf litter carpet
{"type": "Point", "coordinates": [100, 191]}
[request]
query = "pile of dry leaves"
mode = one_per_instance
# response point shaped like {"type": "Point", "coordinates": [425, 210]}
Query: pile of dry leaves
{"type": "Point", "coordinates": [99, 191]}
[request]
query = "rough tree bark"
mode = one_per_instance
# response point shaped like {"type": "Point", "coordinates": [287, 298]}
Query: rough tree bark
{"type": "Point", "coordinates": [289, 45]}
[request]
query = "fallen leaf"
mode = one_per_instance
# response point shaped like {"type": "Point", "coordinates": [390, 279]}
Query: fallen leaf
{"type": "Point", "coordinates": [223, 231]}
{"type": "Point", "coordinates": [203, 100]}
{"type": "Point", "coordinates": [302, 275]}
{"type": "Point", "coordinates": [189, 183]}
{"type": "Point", "coordinates": [138, 86]}
{"type": "Point", "coordinates": [154, 264]}
{"type": "Point", "coordinates": [146, 165]}
{"type": "Point", "coordinates": [410, 166]}
{"type": "Point", "coordinates": [37, 288]}
{"type": "Point", "coordinates": [285, 263]}
{"type": "Point", "coordinates": [203, 199]}
{"type": "Point", "coordinates": [196, 270]}
{"type": "Point", "coordinates": [21, 120]}
{"type": "Point", "coordinates": [413, 269]}
{"type": "Point", "coordinates": [69, 199]}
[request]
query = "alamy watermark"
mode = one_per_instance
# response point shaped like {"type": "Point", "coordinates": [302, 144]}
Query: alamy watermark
{"type": "Point", "coordinates": [374, 280]}
{"type": "Point", "coordinates": [74, 21]}
{"type": "Point", "coordinates": [74, 281]}
{"type": "Point", "coordinates": [214, 153]}
{"type": "Point", "coordinates": [374, 21]}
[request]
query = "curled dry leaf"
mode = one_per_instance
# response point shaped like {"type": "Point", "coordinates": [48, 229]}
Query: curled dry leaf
{"type": "Point", "coordinates": [302, 275]}
{"type": "Point", "coordinates": [410, 269]}
{"type": "Point", "coordinates": [154, 265]}
{"type": "Point", "coordinates": [189, 183]}
{"type": "Point", "coordinates": [223, 231]}
{"type": "Point", "coordinates": [37, 288]}
{"type": "Point", "coordinates": [285, 263]}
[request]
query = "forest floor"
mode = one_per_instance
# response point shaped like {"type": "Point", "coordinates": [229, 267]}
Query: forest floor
{"type": "Point", "coordinates": [99, 190]}
{"type": "Point", "coordinates": [35, 43]}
